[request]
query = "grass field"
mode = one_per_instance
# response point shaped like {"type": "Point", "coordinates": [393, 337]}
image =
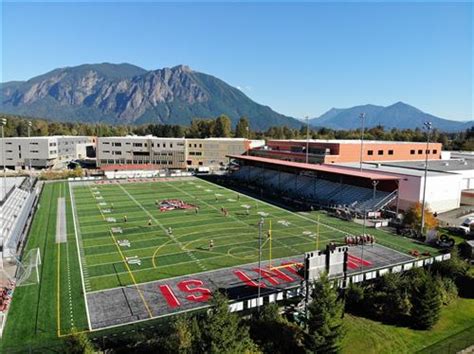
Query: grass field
{"type": "Point", "coordinates": [41, 313]}
{"type": "Point", "coordinates": [453, 332]}
{"type": "Point", "coordinates": [186, 250]}
{"type": "Point", "coordinates": [38, 315]}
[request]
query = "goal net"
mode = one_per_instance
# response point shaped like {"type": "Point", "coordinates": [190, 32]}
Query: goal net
{"type": "Point", "coordinates": [27, 269]}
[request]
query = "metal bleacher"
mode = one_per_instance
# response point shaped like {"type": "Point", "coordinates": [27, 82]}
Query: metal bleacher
{"type": "Point", "coordinates": [14, 213]}
{"type": "Point", "coordinates": [316, 190]}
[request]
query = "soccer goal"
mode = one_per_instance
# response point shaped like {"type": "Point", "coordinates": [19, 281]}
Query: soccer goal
{"type": "Point", "coordinates": [27, 269]}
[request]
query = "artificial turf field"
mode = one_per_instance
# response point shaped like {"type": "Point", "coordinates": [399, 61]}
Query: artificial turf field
{"type": "Point", "coordinates": [186, 250]}
{"type": "Point", "coordinates": [53, 308]}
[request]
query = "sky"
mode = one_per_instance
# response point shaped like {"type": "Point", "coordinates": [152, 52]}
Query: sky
{"type": "Point", "coordinates": [299, 58]}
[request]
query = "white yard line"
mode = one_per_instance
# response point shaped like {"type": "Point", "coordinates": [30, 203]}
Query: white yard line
{"type": "Point", "coordinates": [175, 240]}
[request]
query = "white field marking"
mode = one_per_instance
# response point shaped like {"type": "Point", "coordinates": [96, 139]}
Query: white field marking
{"type": "Point", "coordinates": [231, 200]}
{"type": "Point", "coordinates": [109, 244]}
{"type": "Point", "coordinates": [80, 253]}
{"type": "Point", "coordinates": [89, 257]}
{"type": "Point", "coordinates": [171, 253]}
{"type": "Point", "coordinates": [290, 212]}
{"type": "Point", "coordinates": [292, 249]}
{"type": "Point", "coordinates": [179, 276]}
{"type": "Point", "coordinates": [189, 253]}
{"type": "Point", "coordinates": [189, 262]}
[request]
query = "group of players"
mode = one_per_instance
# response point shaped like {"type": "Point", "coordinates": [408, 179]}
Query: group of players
{"type": "Point", "coordinates": [364, 239]}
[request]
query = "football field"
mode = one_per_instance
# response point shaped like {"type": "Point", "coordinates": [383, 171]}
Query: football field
{"type": "Point", "coordinates": [152, 244]}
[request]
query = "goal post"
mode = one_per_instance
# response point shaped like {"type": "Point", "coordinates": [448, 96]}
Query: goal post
{"type": "Point", "coordinates": [27, 272]}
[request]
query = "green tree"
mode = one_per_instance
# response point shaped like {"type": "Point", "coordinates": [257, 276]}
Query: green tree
{"type": "Point", "coordinates": [222, 330]}
{"type": "Point", "coordinates": [426, 301]}
{"type": "Point", "coordinates": [274, 334]}
{"type": "Point", "coordinates": [222, 127]}
{"type": "Point", "coordinates": [324, 323]}
{"type": "Point", "coordinates": [185, 335]}
{"type": "Point", "coordinates": [242, 129]}
{"type": "Point", "coordinates": [78, 343]}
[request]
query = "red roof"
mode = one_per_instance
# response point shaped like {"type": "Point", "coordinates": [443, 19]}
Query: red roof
{"type": "Point", "coordinates": [131, 167]}
{"type": "Point", "coordinates": [318, 167]}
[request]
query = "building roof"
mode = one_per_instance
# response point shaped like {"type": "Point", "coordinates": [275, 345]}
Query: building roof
{"type": "Point", "coordinates": [437, 165]}
{"type": "Point", "coordinates": [347, 141]}
{"type": "Point", "coordinates": [389, 167]}
{"type": "Point", "coordinates": [317, 167]}
{"type": "Point", "coordinates": [131, 167]}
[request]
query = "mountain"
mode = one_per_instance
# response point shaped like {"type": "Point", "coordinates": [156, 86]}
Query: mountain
{"type": "Point", "coordinates": [127, 94]}
{"type": "Point", "coordinates": [399, 115]}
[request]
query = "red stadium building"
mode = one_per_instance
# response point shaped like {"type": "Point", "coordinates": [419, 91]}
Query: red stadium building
{"type": "Point", "coordinates": [342, 151]}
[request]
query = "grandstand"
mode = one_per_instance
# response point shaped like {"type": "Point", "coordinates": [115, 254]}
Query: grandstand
{"type": "Point", "coordinates": [326, 186]}
{"type": "Point", "coordinates": [16, 203]}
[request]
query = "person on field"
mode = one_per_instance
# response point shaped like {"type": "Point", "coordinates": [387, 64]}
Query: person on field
{"type": "Point", "coordinates": [149, 222]}
{"type": "Point", "coordinates": [125, 218]}
{"type": "Point", "coordinates": [211, 245]}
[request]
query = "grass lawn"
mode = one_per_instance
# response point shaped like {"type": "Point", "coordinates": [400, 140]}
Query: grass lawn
{"type": "Point", "coordinates": [455, 327]}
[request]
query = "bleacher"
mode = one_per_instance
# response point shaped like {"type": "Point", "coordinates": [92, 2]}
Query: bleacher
{"type": "Point", "coordinates": [14, 212]}
{"type": "Point", "coordinates": [315, 190]}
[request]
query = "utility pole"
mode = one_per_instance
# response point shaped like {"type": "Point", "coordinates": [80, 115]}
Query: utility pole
{"type": "Point", "coordinates": [3, 122]}
{"type": "Point", "coordinates": [260, 226]}
{"type": "Point", "coordinates": [428, 126]}
{"type": "Point", "coordinates": [362, 117]}
{"type": "Point", "coordinates": [307, 139]}
{"type": "Point", "coordinates": [29, 153]}
{"type": "Point", "coordinates": [248, 139]}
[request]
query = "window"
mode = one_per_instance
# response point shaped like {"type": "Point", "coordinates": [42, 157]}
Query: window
{"type": "Point", "coordinates": [137, 144]}
{"type": "Point", "coordinates": [106, 143]}
{"type": "Point", "coordinates": [116, 144]}
{"type": "Point", "coordinates": [390, 152]}
{"type": "Point", "coordinates": [370, 152]}
{"type": "Point", "coordinates": [190, 145]}
{"type": "Point", "coordinates": [420, 152]}
{"type": "Point", "coordinates": [435, 151]}
{"type": "Point", "coordinates": [195, 145]}
{"type": "Point", "coordinates": [427, 152]}
{"type": "Point", "coordinates": [171, 145]}
{"type": "Point", "coordinates": [117, 152]}
{"type": "Point", "coordinates": [412, 152]}
{"type": "Point", "coordinates": [164, 145]}
{"type": "Point", "coordinates": [380, 152]}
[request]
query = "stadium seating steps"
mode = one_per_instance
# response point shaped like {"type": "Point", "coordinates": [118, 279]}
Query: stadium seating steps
{"type": "Point", "coordinates": [319, 191]}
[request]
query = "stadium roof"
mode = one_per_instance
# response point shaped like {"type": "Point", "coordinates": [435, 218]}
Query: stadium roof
{"type": "Point", "coordinates": [318, 167]}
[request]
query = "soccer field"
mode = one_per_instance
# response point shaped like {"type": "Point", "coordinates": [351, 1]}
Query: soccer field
{"type": "Point", "coordinates": [159, 254]}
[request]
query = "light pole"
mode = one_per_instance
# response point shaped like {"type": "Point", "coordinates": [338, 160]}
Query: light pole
{"type": "Point", "coordinates": [362, 117]}
{"type": "Point", "coordinates": [29, 154]}
{"type": "Point", "coordinates": [248, 135]}
{"type": "Point", "coordinates": [428, 126]}
{"type": "Point", "coordinates": [260, 226]}
{"type": "Point", "coordinates": [3, 122]}
{"type": "Point", "coordinates": [307, 139]}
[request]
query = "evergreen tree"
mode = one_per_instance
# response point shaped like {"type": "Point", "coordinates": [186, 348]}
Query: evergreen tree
{"type": "Point", "coordinates": [324, 323]}
{"type": "Point", "coordinates": [78, 343]}
{"type": "Point", "coordinates": [222, 127]}
{"type": "Point", "coordinates": [185, 336]}
{"type": "Point", "coordinates": [426, 302]}
{"type": "Point", "coordinates": [274, 334]}
{"type": "Point", "coordinates": [222, 330]}
{"type": "Point", "coordinates": [242, 129]}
